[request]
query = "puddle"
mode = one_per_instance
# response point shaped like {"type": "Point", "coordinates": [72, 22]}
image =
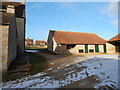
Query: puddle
{"type": "Point", "coordinates": [32, 50]}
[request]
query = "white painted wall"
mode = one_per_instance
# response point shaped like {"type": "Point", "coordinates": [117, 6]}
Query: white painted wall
{"type": "Point", "coordinates": [110, 48]}
{"type": "Point", "coordinates": [101, 48]}
{"type": "Point", "coordinates": [76, 49]}
{"type": "Point", "coordinates": [91, 47]}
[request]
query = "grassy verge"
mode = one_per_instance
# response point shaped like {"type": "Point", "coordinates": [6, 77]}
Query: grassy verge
{"type": "Point", "coordinates": [20, 67]}
{"type": "Point", "coordinates": [38, 63]}
{"type": "Point", "coordinates": [34, 48]}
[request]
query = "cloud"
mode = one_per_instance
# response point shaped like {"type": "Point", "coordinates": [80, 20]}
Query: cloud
{"type": "Point", "coordinates": [114, 22]}
{"type": "Point", "coordinates": [112, 9]}
{"type": "Point", "coordinates": [112, 12]}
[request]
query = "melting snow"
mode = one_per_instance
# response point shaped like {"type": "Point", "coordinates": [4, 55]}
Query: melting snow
{"type": "Point", "coordinates": [104, 67]}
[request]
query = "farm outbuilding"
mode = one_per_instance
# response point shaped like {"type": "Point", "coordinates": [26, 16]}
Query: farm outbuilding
{"type": "Point", "coordinates": [63, 42]}
{"type": "Point", "coordinates": [12, 32]}
{"type": "Point", "coordinates": [113, 45]}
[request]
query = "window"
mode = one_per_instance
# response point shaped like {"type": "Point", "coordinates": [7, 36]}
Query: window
{"type": "Point", "coordinates": [91, 50]}
{"type": "Point", "coordinates": [81, 51]}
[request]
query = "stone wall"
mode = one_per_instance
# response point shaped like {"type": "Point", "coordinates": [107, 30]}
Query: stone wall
{"type": "Point", "coordinates": [110, 48]}
{"type": "Point", "coordinates": [12, 41]}
{"type": "Point", "coordinates": [4, 30]}
{"type": "Point", "coordinates": [50, 42]}
{"type": "Point", "coordinates": [12, 35]}
{"type": "Point", "coordinates": [20, 22]}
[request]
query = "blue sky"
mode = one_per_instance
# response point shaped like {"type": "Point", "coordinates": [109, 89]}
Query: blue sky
{"type": "Point", "coordinates": [89, 17]}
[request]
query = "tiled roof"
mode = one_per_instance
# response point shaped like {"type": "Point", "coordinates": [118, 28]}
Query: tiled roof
{"type": "Point", "coordinates": [6, 18]}
{"type": "Point", "coordinates": [40, 41]}
{"type": "Point", "coordinates": [115, 38]}
{"type": "Point", "coordinates": [28, 40]}
{"type": "Point", "coordinates": [64, 37]}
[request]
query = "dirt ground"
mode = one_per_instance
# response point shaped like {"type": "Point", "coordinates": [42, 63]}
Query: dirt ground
{"type": "Point", "coordinates": [62, 63]}
{"type": "Point", "coordinates": [62, 72]}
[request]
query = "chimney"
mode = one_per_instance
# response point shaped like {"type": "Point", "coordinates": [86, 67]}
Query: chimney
{"type": "Point", "coordinates": [10, 9]}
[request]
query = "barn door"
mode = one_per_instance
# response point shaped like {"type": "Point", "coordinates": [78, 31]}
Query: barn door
{"type": "Point", "coordinates": [96, 48]}
{"type": "Point", "coordinates": [86, 48]}
{"type": "Point", "coordinates": [117, 48]}
{"type": "Point", "coordinates": [104, 48]}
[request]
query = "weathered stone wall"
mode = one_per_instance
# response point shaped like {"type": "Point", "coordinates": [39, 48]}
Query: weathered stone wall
{"type": "Point", "coordinates": [21, 35]}
{"type": "Point", "coordinates": [4, 48]}
{"type": "Point", "coordinates": [12, 41]}
{"type": "Point", "coordinates": [12, 36]}
{"type": "Point", "coordinates": [50, 43]}
{"type": "Point", "coordinates": [110, 48]}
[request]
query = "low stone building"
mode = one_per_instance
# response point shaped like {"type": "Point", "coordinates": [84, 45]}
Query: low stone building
{"type": "Point", "coordinates": [12, 32]}
{"type": "Point", "coordinates": [40, 43]}
{"type": "Point", "coordinates": [28, 42]}
{"type": "Point", "coordinates": [62, 42]}
{"type": "Point", "coordinates": [113, 45]}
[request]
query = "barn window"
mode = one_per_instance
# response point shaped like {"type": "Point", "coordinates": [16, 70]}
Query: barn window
{"type": "Point", "coordinates": [81, 51]}
{"type": "Point", "coordinates": [91, 50]}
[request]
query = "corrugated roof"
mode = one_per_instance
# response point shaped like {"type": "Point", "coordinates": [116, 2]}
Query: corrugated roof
{"type": "Point", "coordinates": [64, 37]}
{"type": "Point", "coordinates": [6, 18]}
{"type": "Point", "coordinates": [115, 38]}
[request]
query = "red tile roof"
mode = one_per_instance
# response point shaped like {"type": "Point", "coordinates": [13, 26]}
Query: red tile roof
{"type": "Point", "coordinates": [115, 38]}
{"type": "Point", "coordinates": [40, 41]}
{"type": "Point", "coordinates": [28, 40]}
{"type": "Point", "coordinates": [64, 37]}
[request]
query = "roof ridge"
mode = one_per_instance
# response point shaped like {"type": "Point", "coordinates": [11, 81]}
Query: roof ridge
{"type": "Point", "coordinates": [114, 37]}
{"type": "Point", "coordinates": [71, 32]}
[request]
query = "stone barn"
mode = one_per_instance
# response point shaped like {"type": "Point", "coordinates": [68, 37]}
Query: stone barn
{"type": "Point", "coordinates": [63, 42]}
{"type": "Point", "coordinates": [113, 45]}
{"type": "Point", "coordinates": [12, 32]}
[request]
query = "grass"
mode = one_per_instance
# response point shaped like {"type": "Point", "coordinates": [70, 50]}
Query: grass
{"type": "Point", "coordinates": [38, 63]}
{"type": "Point", "coordinates": [34, 48]}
